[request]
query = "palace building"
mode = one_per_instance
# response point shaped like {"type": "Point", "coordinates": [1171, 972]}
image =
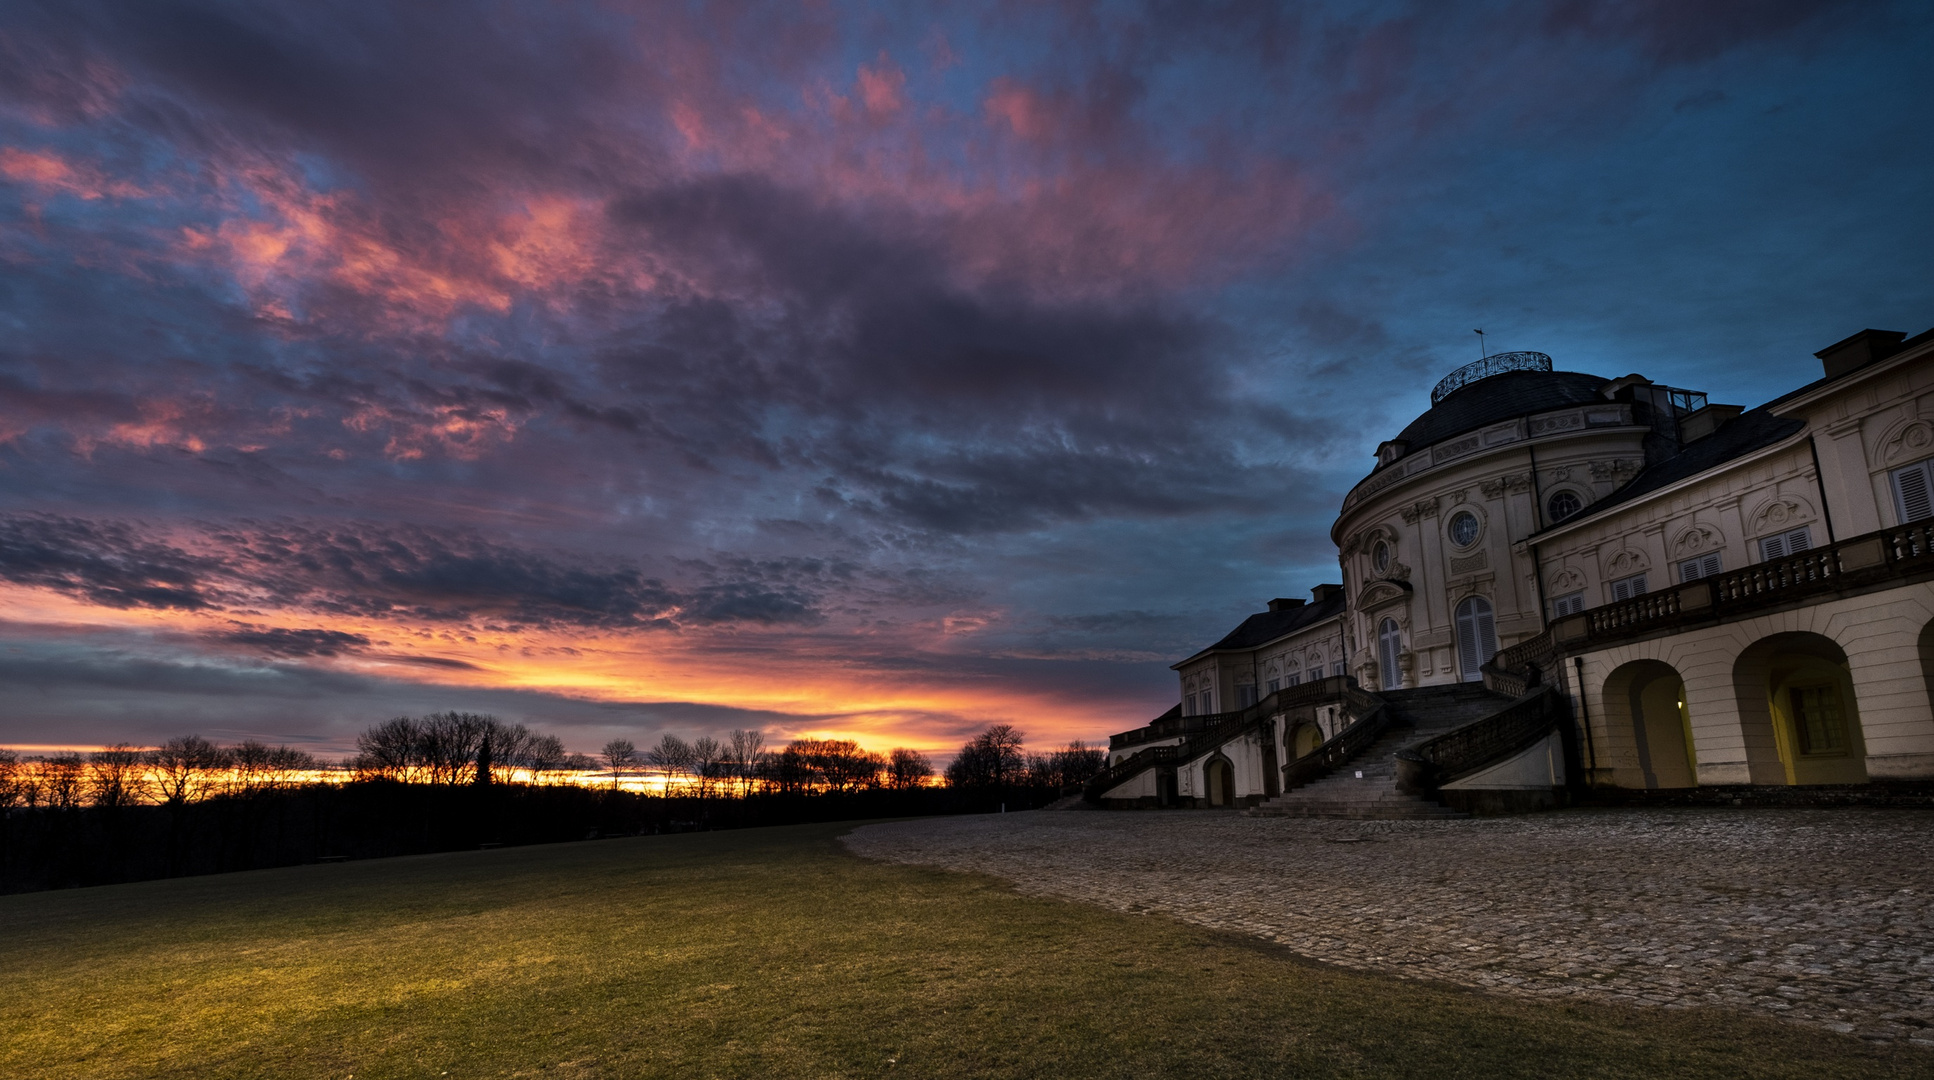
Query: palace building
{"type": "Point", "coordinates": [1556, 584]}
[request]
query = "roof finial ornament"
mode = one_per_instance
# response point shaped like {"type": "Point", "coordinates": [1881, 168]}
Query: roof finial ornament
{"type": "Point", "coordinates": [1483, 350]}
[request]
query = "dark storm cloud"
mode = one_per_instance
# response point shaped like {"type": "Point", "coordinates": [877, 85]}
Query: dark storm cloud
{"type": "Point", "coordinates": [106, 563]}
{"type": "Point", "coordinates": [377, 572]}
{"type": "Point", "coordinates": [280, 641]}
{"type": "Point", "coordinates": [963, 403]}
{"type": "Point", "coordinates": [1046, 410]}
{"type": "Point", "coordinates": [894, 326]}
{"type": "Point", "coordinates": [410, 87]}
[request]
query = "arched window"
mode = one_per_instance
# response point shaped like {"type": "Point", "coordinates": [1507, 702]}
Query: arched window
{"type": "Point", "coordinates": [1389, 645]}
{"type": "Point", "coordinates": [1476, 637]}
{"type": "Point", "coordinates": [1380, 557]}
{"type": "Point", "coordinates": [1562, 505]}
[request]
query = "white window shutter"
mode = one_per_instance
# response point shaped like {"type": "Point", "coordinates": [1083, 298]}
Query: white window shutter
{"type": "Point", "coordinates": [1791, 542]}
{"type": "Point", "coordinates": [1389, 644]}
{"type": "Point", "coordinates": [1476, 637]}
{"type": "Point", "coordinates": [1701, 567]}
{"type": "Point", "coordinates": [1914, 491]}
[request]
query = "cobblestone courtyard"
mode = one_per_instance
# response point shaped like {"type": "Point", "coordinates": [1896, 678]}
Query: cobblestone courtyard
{"type": "Point", "coordinates": [1820, 916]}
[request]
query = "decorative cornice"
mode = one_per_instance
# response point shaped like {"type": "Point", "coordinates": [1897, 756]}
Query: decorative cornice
{"type": "Point", "coordinates": [1423, 509]}
{"type": "Point", "coordinates": [1619, 470]}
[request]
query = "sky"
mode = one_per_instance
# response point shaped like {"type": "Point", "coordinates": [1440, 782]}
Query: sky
{"type": "Point", "coordinates": [871, 371]}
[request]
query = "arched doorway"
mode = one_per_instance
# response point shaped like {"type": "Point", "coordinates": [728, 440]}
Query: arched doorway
{"type": "Point", "coordinates": [1220, 781]}
{"type": "Point", "coordinates": [1389, 648]}
{"type": "Point", "coordinates": [1477, 639]}
{"type": "Point", "coordinates": [1304, 740]}
{"type": "Point", "coordinates": [1798, 712]}
{"type": "Point", "coordinates": [1646, 699]}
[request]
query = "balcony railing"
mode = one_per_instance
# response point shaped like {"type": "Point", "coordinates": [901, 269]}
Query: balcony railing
{"type": "Point", "coordinates": [1523, 667]}
{"type": "Point", "coordinates": [1169, 727]}
{"type": "Point", "coordinates": [1428, 765]}
{"type": "Point", "coordinates": [1862, 562]}
{"type": "Point", "coordinates": [1201, 734]}
{"type": "Point", "coordinates": [1487, 367]}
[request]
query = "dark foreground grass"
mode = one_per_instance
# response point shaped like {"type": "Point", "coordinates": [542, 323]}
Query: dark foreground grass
{"type": "Point", "coordinates": [759, 953]}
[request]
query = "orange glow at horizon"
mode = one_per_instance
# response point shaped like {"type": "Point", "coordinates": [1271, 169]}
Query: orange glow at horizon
{"type": "Point", "coordinates": [817, 685]}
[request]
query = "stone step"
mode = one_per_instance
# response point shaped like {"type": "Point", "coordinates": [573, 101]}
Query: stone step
{"type": "Point", "coordinates": [1423, 713]}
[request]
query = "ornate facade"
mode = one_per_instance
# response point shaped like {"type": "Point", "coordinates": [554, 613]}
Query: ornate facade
{"type": "Point", "coordinates": [1693, 594]}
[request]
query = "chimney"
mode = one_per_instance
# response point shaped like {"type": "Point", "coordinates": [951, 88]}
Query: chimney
{"type": "Point", "coordinates": [1859, 350]}
{"type": "Point", "coordinates": [1282, 603]}
{"type": "Point", "coordinates": [1617, 389]}
{"type": "Point", "coordinates": [1325, 593]}
{"type": "Point", "coordinates": [1700, 423]}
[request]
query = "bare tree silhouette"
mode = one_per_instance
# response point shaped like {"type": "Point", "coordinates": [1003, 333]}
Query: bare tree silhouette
{"type": "Point", "coordinates": [619, 755]}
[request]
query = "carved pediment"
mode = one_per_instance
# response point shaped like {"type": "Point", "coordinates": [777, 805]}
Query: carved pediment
{"type": "Point", "coordinates": [1697, 540]}
{"type": "Point", "coordinates": [1367, 539]}
{"type": "Point", "coordinates": [1626, 562]}
{"type": "Point", "coordinates": [1778, 513]}
{"type": "Point", "coordinates": [1568, 580]}
{"type": "Point", "coordinates": [1910, 442]}
{"type": "Point", "coordinates": [1381, 592]}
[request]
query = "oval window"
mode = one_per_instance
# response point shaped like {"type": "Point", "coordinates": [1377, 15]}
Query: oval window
{"type": "Point", "coordinates": [1562, 505]}
{"type": "Point", "coordinates": [1463, 529]}
{"type": "Point", "coordinates": [1380, 556]}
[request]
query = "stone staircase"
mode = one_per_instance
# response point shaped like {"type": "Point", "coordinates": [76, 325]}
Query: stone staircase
{"type": "Point", "coordinates": [1421, 714]}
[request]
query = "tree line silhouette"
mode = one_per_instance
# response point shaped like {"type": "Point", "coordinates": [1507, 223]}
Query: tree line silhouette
{"type": "Point", "coordinates": [457, 780]}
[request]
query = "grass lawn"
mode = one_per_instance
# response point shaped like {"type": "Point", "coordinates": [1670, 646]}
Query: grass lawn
{"type": "Point", "coordinates": [767, 952]}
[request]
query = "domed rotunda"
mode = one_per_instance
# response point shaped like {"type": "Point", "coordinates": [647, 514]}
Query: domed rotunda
{"type": "Point", "coordinates": [1556, 583]}
{"type": "Point", "coordinates": [1433, 542]}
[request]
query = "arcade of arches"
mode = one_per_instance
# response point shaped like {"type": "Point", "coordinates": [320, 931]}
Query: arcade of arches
{"type": "Point", "coordinates": [1790, 707]}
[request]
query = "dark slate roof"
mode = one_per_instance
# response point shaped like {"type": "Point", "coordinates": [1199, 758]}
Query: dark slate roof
{"type": "Point", "coordinates": [1919, 339]}
{"type": "Point", "coordinates": [1502, 397]}
{"type": "Point", "coordinates": [1751, 430]}
{"type": "Point", "coordinates": [1266, 626]}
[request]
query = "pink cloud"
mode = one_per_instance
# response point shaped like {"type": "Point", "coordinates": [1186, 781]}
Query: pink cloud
{"type": "Point", "coordinates": [1024, 111]}
{"type": "Point", "coordinates": [50, 172]}
{"type": "Point", "coordinates": [882, 87]}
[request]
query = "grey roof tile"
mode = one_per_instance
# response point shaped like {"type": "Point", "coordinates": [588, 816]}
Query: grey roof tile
{"type": "Point", "coordinates": [1751, 430]}
{"type": "Point", "coordinates": [1266, 626]}
{"type": "Point", "coordinates": [1502, 397]}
